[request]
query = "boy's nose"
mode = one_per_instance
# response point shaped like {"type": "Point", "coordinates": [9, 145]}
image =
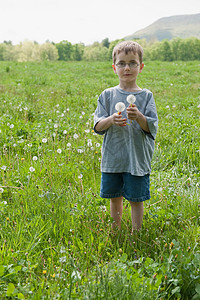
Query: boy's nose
{"type": "Point", "coordinates": [127, 66]}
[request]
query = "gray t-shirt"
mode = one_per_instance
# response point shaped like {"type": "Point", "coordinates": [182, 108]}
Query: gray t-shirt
{"type": "Point", "coordinates": [129, 148]}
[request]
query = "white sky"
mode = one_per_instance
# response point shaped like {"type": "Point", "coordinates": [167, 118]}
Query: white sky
{"type": "Point", "coordinates": [83, 21]}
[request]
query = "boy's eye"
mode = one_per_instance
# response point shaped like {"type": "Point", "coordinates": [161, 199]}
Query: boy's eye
{"type": "Point", "coordinates": [122, 64]}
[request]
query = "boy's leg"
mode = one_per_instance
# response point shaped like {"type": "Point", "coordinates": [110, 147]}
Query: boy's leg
{"type": "Point", "coordinates": [116, 210]}
{"type": "Point", "coordinates": [137, 211]}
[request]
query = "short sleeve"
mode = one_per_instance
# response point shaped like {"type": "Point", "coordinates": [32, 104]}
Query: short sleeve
{"type": "Point", "coordinates": [151, 116]}
{"type": "Point", "coordinates": [100, 113]}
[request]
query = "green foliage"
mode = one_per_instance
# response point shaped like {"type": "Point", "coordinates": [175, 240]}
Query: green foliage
{"type": "Point", "coordinates": [56, 240]}
{"type": "Point", "coordinates": [176, 49]}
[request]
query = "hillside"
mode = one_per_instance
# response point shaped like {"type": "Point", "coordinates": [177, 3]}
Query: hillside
{"type": "Point", "coordinates": [182, 26]}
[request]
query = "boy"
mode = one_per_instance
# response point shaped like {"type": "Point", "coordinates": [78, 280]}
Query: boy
{"type": "Point", "coordinates": [128, 143]}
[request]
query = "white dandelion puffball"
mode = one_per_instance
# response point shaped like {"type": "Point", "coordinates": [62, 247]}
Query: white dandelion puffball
{"type": "Point", "coordinates": [31, 169]}
{"type": "Point", "coordinates": [59, 151]}
{"type": "Point", "coordinates": [131, 99]}
{"type": "Point", "coordinates": [120, 106]}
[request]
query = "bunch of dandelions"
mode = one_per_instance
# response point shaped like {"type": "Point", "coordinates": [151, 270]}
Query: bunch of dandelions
{"type": "Point", "coordinates": [120, 107]}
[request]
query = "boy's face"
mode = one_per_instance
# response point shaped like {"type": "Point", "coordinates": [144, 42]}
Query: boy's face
{"type": "Point", "coordinates": [127, 67]}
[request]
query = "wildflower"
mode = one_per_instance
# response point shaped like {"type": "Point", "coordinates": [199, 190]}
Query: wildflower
{"type": "Point", "coordinates": [44, 140]}
{"type": "Point", "coordinates": [31, 169]}
{"type": "Point", "coordinates": [68, 144]}
{"type": "Point", "coordinates": [44, 272]}
{"type": "Point", "coordinates": [198, 106]}
{"type": "Point", "coordinates": [87, 130]}
{"type": "Point", "coordinates": [12, 126]}
{"type": "Point", "coordinates": [98, 145]}
{"type": "Point", "coordinates": [120, 106]}
{"type": "Point", "coordinates": [80, 176]}
{"type": "Point", "coordinates": [83, 113]}
{"type": "Point", "coordinates": [89, 143]}
{"type": "Point", "coordinates": [22, 159]}
{"type": "Point", "coordinates": [120, 251]}
{"type": "Point", "coordinates": [55, 126]}
{"type": "Point", "coordinates": [1, 190]}
{"type": "Point", "coordinates": [35, 158]}
{"type": "Point", "coordinates": [171, 245]}
{"type": "Point", "coordinates": [65, 132]}
{"type": "Point", "coordinates": [131, 99]}
{"type": "Point", "coordinates": [80, 150]}
{"type": "Point", "coordinates": [59, 151]}
{"type": "Point", "coordinates": [75, 136]}
{"type": "Point", "coordinates": [50, 120]}
{"type": "Point", "coordinates": [3, 168]}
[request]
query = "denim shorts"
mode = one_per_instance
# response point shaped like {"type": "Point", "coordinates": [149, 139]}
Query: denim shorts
{"type": "Point", "coordinates": [132, 188]}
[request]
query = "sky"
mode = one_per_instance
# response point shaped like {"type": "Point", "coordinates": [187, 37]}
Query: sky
{"type": "Point", "coordinates": [83, 21]}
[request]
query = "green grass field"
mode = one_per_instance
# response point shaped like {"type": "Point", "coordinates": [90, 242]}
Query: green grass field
{"type": "Point", "coordinates": [56, 240]}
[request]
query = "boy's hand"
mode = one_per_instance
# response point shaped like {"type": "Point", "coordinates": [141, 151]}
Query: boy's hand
{"type": "Point", "coordinates": [118, 120]}
{"type": "Point", "coordinates": [132, 112]}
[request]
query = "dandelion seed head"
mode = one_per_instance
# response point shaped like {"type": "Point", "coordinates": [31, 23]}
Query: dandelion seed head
{"type": "Point", "coordinates": [68, 144]}
{"type": "Point", "coordinates": [35, 158]}
{"type": "Point", "coordinates": [75, 136]}
{"type": "Point", "coordinates": [1, 190]}
{"type": "Point", "coordinates": [65, 132]}
{"type": "Point", "coordinates": [59, 151]}
{"type": "Point", "coordinates": [44, 140]}
{"type": "Point", "coordinates": [31, 169]}
{"type": "Point", "coordinates": [120, 106]}
{"type": "Point", "coordinates": [131, 99]}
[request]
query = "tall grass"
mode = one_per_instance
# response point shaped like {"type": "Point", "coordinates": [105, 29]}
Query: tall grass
{"type": "Point", "coordinates": [55, 231]}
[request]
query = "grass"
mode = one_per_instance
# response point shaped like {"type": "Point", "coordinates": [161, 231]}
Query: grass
{"type": "Point", "coordinates": [55, 231]}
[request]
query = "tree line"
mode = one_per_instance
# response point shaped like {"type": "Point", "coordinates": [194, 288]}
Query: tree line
{"type": "Point", "coordinates": [175, 49]}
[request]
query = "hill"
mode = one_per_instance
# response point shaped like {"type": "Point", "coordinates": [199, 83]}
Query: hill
{"type": "Point", "coordinates": [183, 26]}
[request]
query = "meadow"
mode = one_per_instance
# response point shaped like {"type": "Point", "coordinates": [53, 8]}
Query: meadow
{"type": "Point", "coordinates": [56, 240]}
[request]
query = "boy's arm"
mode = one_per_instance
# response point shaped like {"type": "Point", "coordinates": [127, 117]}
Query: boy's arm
{"type": "Point", "coordinates": [134, 114]}
{"type": "Point", "coordinates": [106, 123]}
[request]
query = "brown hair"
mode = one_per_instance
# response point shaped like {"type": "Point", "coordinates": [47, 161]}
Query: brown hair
{"type": "Point", "coordinates": [127, 46]}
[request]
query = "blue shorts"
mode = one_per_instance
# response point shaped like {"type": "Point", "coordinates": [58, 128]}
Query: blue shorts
{"type": "Point", "coordinates": [133, 188]}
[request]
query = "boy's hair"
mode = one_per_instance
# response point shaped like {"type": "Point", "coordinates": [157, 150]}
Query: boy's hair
{"type": "Point", "coordinates": [127, 46]}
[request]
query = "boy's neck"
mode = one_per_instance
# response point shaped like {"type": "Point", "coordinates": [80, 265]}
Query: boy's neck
{"type": "Point", "coordinates": [130, 88]}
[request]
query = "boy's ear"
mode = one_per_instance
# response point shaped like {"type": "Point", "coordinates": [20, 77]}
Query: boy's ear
{"type": "Point", "coordinates": [114, 68]}
{"type": "Point", "coordinates": [141, 67]}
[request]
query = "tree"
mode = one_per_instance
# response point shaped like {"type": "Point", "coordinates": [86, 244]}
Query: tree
{"type": "Point", "coordinates": [64, 50]}
{"type": "Point", "coordinates": [77, 53]}
{"type": "Point", "coordinates": [48, 52]}
{"type": "Point", "coordinates": [105, 43]}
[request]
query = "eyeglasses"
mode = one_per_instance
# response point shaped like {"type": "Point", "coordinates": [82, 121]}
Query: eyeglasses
{"type": "Point", "coordinates": [122, 64]}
